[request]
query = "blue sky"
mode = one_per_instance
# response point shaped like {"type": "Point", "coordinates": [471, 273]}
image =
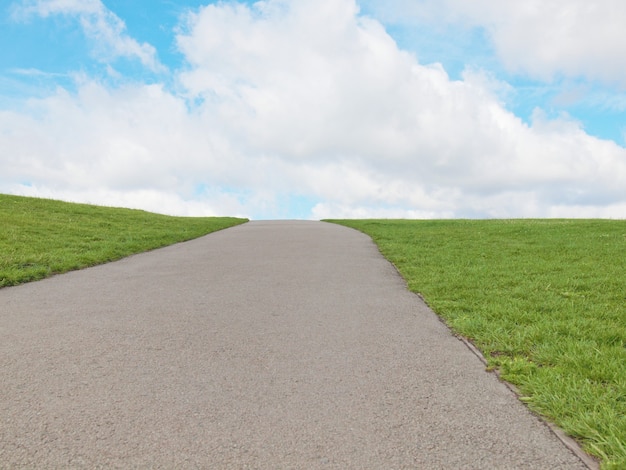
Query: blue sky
{"type": "Point", "coordinates": [311, 109]}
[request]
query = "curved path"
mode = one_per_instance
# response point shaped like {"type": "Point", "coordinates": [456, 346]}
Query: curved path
{"type": "Point", "coordinates": [268, 345]}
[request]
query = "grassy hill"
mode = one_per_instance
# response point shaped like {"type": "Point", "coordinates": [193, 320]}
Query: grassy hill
{"type": "Point", "coordinates": [544, 300]}
{"type": "Point", "coordinates": [41, 237]}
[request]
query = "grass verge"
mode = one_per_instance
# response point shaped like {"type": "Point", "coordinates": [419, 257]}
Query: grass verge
{"type": "Point", "coordinates": [41, 237]}
{"type": "Point", "coordinates": [544, 300]}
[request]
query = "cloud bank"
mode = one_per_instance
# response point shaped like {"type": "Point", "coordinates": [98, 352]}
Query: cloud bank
{"type": "Point", "coordinates": [543, 39]}
{"type": "Point", "coordinates": [311, 104]}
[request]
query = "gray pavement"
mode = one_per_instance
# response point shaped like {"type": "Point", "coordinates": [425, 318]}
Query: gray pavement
{"type": "Point", "coordinates": [271, 345]}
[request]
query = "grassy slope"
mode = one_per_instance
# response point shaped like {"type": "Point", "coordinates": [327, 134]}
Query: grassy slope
{"type": "Point", "coordinates": [545, 300]}
{"type": "Point", "coordinates": [41, 237]}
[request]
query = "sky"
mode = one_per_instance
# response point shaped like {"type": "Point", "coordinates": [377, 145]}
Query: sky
{"type": "Point", "coordinates": [312, 109]}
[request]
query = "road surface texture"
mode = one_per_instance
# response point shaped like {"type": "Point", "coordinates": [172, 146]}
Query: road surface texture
{"type": "Point", "coordinates": [271, 345]}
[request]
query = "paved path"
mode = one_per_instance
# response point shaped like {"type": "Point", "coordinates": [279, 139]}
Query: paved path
{"type": "Point", "coordinates": [269, 345]}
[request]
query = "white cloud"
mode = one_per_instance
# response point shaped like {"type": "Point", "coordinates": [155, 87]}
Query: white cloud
{"type": "Point", "coordinates": [541, 38]}
{"type": "Point", "coordinates": [105, 29]}
{"type": "Point", "coordinates": [308, 98]}
{"type": "Point", "coordinates": [341, 91]}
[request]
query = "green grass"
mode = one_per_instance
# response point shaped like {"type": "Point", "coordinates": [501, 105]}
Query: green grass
{"type": "Point", "coordinates": [41, 237]}
{"type": "Point", "coordinates": [544, 300]}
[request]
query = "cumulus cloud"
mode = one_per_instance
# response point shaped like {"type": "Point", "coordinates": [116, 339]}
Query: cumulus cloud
{"type": "Point", "coordinates": [137, 145]}
{"type": "Point", "coordinates": [541, 38]}
{"type": "Point", "coordinates": [105, 29]}
{"type": "Point", "coordinates": [308, 99]}
{"type": "Point", "coordinates": [377, 126]}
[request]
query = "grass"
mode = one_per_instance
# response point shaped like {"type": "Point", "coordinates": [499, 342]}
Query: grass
{"type": "Point", "coordinates": [544, 300]}
{"type": "Point", "coordinates": [41, 237]}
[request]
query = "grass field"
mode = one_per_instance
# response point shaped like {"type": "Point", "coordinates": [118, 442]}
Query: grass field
{"type": "Point", "coordinates": [544, 300]}
{"type": "Point", "coordinates": [41, 237]}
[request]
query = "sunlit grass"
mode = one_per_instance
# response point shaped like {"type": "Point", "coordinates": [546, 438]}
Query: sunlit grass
{"type": "Point", "coordinates": [544, 300]}
{"type": "Point", "coordinates": [41, 237]}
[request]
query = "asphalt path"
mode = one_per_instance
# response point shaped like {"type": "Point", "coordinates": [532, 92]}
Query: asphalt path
{"type": "Point", "coordinates": [270, 345]}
